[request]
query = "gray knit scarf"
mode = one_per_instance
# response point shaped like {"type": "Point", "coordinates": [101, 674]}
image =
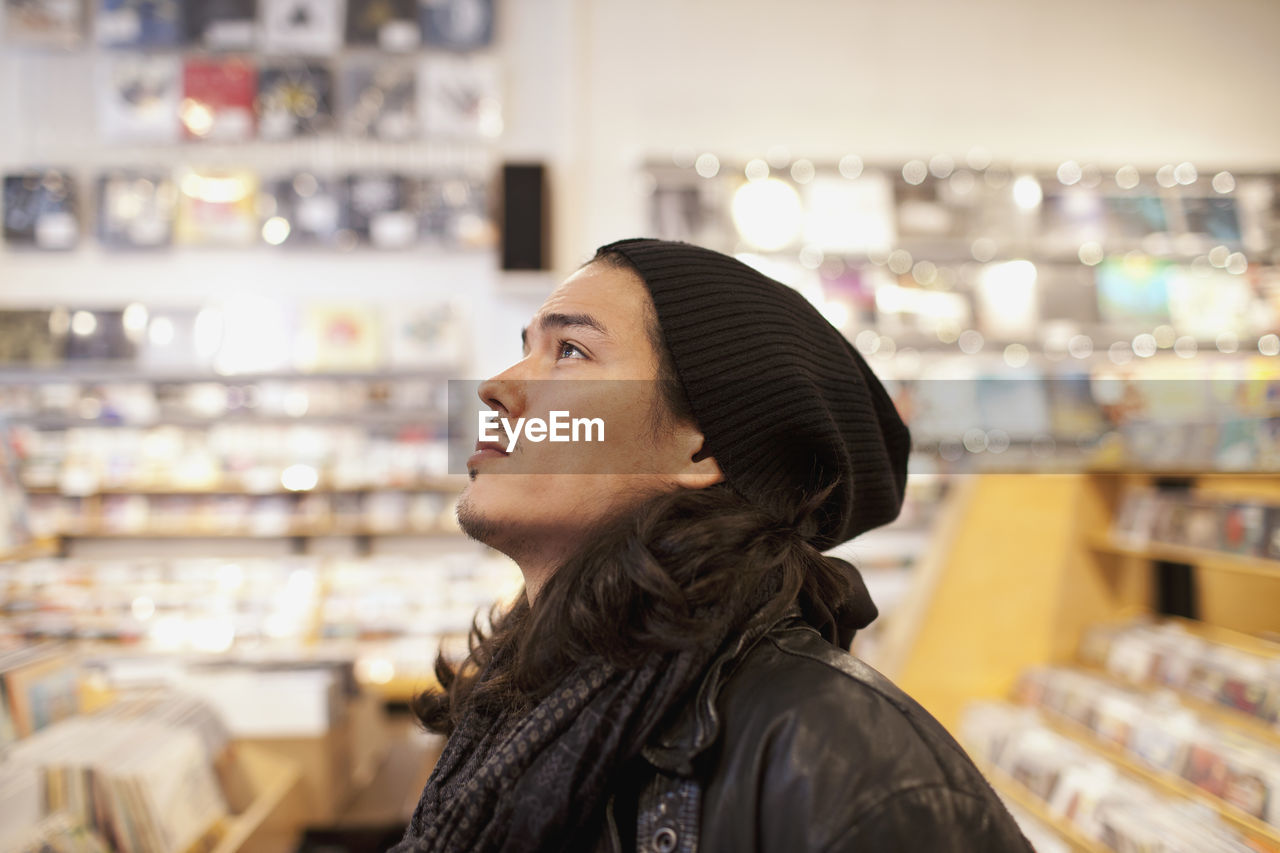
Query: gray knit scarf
{"type": "Point", "coordinates": [539, 782]}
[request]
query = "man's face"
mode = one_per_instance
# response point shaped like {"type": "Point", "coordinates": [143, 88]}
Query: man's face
{"type": "Point", "coordinates": [536, 503]}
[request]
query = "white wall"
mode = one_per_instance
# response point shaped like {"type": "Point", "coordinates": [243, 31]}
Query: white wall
{"type": "Point", "coordinates": [1033, 81]}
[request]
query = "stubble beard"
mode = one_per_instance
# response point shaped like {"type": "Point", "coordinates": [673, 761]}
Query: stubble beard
{"type": "Point", "coordinates": [474, 523]}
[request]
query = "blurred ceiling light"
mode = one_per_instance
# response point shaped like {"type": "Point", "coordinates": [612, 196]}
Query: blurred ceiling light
{"type": "Point", "coordinates": [1218, 256]}
{"type": "Point", "coordinates": [299, 478]}
{"type": "Point", "coordinates": [1227, 343]}
{"type": "Point", "coordinates": [970, 341]}
{"type": "Point", "coordinates": [767, 213]}
{"type": "Point", "coordinates": [1120, 352]}
{"type": "Point", "coordinates": [962, 181]}
{"type": "Point", "coordinates": [1269, 344]}
{"type": "Point", "coordinates": [914, 172]}
{"type": "Point", "coordinates": [160, 332]}
{"type": "Point", "coordinates": [1090, 254]}
{"type": "Point", "coordinates": [1237, 263]}
{"type": "Point", "coordinates": [1069, 173]}
{"type": "Point", "coordinates": [1127, 177]}
{"type": "Point", "coordinates": [1016, 355]}
{"type": "Point", "coordinates": [707, 165]}
{"type": "Point", "coordinates": [978, 158]}
{"type": "Point", "coordinates": [941, 166]}
{"type": "Point", "coordinates": [1185, 347]}
{"type": "Point", "coordinates": [757, 170]}
{"type": "Point", "coordinates": [900, 261]}
{"type": "Point", "coordinates": [802, 171]}
{"type": "Point", "coordinates": [1027, 193]}
{"type": "Point", "coordinates": [1165, 177]}
{"type": "Point", "coordinates": [215, 190]}
{"type": "Point", "coordinates": [83, 323]}
{"type": "Point", "coordinates": [1144, 345]}
{"type": "Point", "coordinates": [1164, 335]}
{"type": "Point", "coordinates": [983, 249]}
{"type": "Point", "coordinates": [850, 166]}
{"type": "Point", "coordinates": [197, 117]}
{"type": "Point", "coordinates": [1080, 346]}
{"type": "Point", "coordinates": [275, 230]}
{"type": "Point", "coordinates": [1224, 182]}
{"type": "Point", "coordinates": [134, 320]}
{"type": "Point", "coordinates": [867, 341]}
{"type": "Point", "coordinates": [1185, 174]}
{"type": "Point", "coordinates": [811, 257]}
{"type": "Point", "coordinates": [925, 273]}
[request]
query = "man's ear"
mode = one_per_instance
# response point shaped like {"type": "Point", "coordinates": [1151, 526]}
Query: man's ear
{"type": "Point", "coordinates": [700, 468]}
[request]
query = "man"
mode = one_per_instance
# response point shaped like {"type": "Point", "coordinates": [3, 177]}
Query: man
{"type": "Point", "coordinates": [675, 677]}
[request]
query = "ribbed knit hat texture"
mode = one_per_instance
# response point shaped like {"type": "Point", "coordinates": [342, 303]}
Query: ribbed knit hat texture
{"type": "Point", "coordinates": [784, 401]}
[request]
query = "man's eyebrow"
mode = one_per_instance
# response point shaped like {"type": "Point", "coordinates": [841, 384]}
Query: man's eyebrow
{"type": "Point", "coordinates": [556, 320]}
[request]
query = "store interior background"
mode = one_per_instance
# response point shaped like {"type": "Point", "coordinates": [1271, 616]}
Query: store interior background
{"type": "Point", "coordinates": [597, 90]}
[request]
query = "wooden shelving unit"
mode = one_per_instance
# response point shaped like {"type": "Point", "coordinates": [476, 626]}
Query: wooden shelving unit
{"type": "Point", "coordinates": [1023, 564]}
{"type": "Point", "coordinates": [42, 547]}
{"type": "Point", "coordinates": [1014, 791]}
{"type": "Point", "coordinates": [1164, 783]}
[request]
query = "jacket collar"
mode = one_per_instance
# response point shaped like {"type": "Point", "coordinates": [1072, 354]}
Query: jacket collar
{"type": "Point", "coordinates": [696, 724]}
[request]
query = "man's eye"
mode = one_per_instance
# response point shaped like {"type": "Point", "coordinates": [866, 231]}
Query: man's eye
{"type": "Point", "coordinates": [568, 350]}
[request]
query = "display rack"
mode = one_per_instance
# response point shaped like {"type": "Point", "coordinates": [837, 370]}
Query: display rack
{"type": "Point", "coordinates": [1032, 559]}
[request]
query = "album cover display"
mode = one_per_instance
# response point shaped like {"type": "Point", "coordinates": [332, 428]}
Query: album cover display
{"type": "Point", "coordinates": [41, 210]}
{"type": "Point", "coordinates": [425, 337]}
{"type": "Point", "coordinates": [218, 99]}
{"type": "Point", "coordinates": [383, 210]}
{"type": "Point", "coordinates": [1215, 218]}
{"type": "Point", "coordinates": [1130, 218]}
{"type": "Point", "coordinates": [390, 25]}
{"type": "Point", "coordinates": [136, 210]}
{"type": "Point", "coordinates": [339, 337]}
{"type": "Point", "coordinates": [311, 206]}
{"type": "Point", "coordinates": [26, 338]}
{"type": "Point", "coordinates": [139, 97]}
{"type": "Point", "coordinates": [922, 212]}
{"type": "Point", "coordinates": [216, 208]}
{"type": "Point", "coordinates": [44, 23]}
{"type": "Point", "coordinates": [222, 24]}
{"type": "Point", "coordinates": [1070, 217]}
{"type": "Point", "coordinates": [294, 99]}
{"type": "Point", "coordinates": [308, 27]}
{"type": "Point", "coordinates": [1134, 289]}
{"type": "Point", "coordinates": [457, 24]}
{"type": "Point", "coordinates": [460, 96]}
{"type": "Point", "coordinates": [455, 212]}
{"type": "Point", "coordinates": [140, 23]}
{"type": "Point", "coordinates": [379, 99]}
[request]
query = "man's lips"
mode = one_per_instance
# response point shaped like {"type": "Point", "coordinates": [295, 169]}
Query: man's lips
{"type": "Point", "coordinates": [487, 449]}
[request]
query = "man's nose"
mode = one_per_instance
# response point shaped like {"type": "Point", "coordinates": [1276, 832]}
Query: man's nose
{"type": "Point", "coordinates": [504, 394]}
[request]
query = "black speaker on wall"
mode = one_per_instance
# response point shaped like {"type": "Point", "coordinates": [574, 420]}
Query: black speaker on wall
{"type": "Point", "coordinates": [525, 221]}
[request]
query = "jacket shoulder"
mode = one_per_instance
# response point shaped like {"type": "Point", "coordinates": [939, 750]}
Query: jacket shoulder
{"type": "Point", "coordinates": [822, 752]}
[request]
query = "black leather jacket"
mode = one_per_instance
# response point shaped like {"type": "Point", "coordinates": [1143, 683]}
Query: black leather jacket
{"type": "Point", "coordinates": [794, 745]}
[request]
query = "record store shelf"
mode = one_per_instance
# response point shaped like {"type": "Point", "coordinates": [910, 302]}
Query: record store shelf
{"type": "Point", "coordinates": [1163, 782]}
{"type": "Point", "coordinates": [1013, 790]}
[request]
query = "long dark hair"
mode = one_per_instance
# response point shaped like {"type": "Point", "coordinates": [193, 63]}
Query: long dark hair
{"type": "Point", "coordinates": [666, 576]}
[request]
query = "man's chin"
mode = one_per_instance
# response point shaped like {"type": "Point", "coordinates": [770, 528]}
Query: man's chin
{"type": "Point", "coordinates": [474, 523]}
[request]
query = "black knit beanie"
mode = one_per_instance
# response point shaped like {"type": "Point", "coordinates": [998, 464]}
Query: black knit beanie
{"type": "Point", "coordinates": [784, 401]}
